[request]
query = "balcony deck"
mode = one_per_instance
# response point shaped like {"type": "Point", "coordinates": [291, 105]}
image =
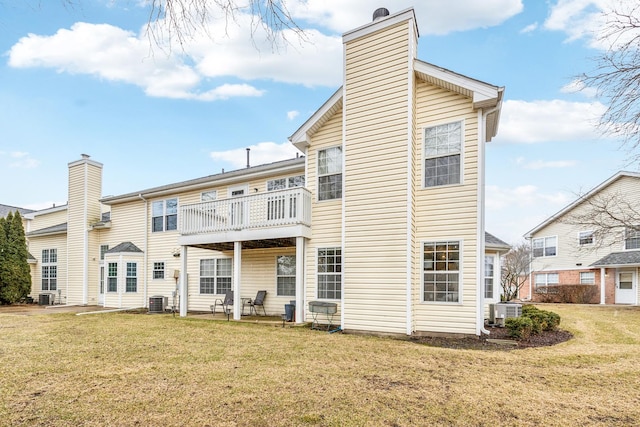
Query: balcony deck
{"type": "Point", "coordinates": [275, 217]}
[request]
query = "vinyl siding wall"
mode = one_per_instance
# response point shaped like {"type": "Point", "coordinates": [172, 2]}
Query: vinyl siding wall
{"type": "Point", "coordinates": [375, 195]}
{"type": "Point", "coordinates": [36, 245]}
{"type": "Point", "coordinates": [447, 212]}
{"type": "Point", "coordinates": [326, 215]}
{"type": "Point", "coordinates": [48, 220]}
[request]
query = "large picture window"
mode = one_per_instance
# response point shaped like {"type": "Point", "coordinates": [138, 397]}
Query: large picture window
{"type": "Point", "coordinates": [330, 173]}
{"type": "Point", "coordinates": [165, 215]}
{"type": "Point", "coordinates": [286, 275]}
{"type": "Point", "coordinates": [441, 271]}
{"type": "Point", "coordinates": [330, 273]}
{"type": "Point", "coordinates": [215, 276]}
{"type": "Point", "coordinates": [442, 151]}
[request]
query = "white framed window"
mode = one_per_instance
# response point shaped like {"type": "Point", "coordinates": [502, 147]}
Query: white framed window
{"type": "Point", "coordinates": [286, 276]}
{"type": "Point", "coordinates": [284, 183]}
{"type": "Point", "coordinates": [544, 280]}
{"type": "Point", "coordinates": [330, 173]}
{"type": "Point", "coordinates": [545, 246]}
{"type": "Point", "coordinates": [112, 277]}
{"type": "Point", "coordinates": [158, 270]}
{"type": "Point", "coordinates": [489, 261]}
{"type": "Point", "coordinates": [215, 275]}
{"type": "Point", "coordinates": [49, 269]}
{"type": "Point", "coordinates": [208, 196]}
{"type": "Point", "coordinates": [103, 250]}
{"type": "Point", "coordinates": [329, 273]}
{"type": "Point", "coordinates": [587, 278]}
{"type": "Point", "coordinates": [585, 238]}
{"type": "Point", "coordinates": [631, 239]}
{"type": "Point", "coordinates": [131, 284]}
{"type": "Point", "coordinates": [441, 271]}
{"type": "Point", "coordinates": [443, 154]}
{"type": "Point", "coordinates": [164, 215]}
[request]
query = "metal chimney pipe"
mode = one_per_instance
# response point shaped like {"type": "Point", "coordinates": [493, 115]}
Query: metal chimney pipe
{"type": "Point", "coordinates": [248, 164]}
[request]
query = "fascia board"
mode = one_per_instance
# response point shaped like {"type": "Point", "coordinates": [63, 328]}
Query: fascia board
{"type": "Point", "coordinates": [372, 27]}
{"type": "Point", "coordinates": [300, 138]}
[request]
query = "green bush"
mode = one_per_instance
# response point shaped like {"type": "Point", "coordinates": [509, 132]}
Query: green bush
{"type": "Point", "coordinates": [519, 327]}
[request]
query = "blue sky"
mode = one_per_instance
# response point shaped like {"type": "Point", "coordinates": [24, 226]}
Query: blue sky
{"type": "Point", "coordinates": [85, 78]}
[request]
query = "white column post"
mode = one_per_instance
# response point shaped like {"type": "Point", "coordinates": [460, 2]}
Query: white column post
{"type": "Point", "coordinates": [184, 285]}
{"type": "Point", "coordinates": [602, 285]}
{"type": "Point", "coordinates": [300, 276]}
{"type": "Point", "coordinates": [237, 264]}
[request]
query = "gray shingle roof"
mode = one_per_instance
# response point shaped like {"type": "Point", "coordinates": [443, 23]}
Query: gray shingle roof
{"type": "Point", "coordinates": [124, 247]}
{"type": "Point", "coordinates": [54, 229]}
{"type": "Point", "coordinates": [493, 242]}
{"type": "Point", "coordinates": [618, 258]}
{"type": "Point", "coordinates": [5, 209]}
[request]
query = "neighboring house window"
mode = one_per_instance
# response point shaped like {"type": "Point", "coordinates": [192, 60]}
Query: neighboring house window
{"type": "Point", "coordinates": [165, 215]}
{"type": "Point", "coordinates": [49, 269]}
{"type": "Point", "coordinates": [112, 277]}
{"type": "Point", "coordinates": [544, 280]}
{"type": "Point", "coordinates": [330, 273]}
{"type": "Point", "coordinates": [286, 276]}
{"type": "Point", "coordinates": [631, 239]}
{"type": "Point", "coordinates": [585, 238]}
{"type": "Point", "coordinates": [103, 250]}
{"type": "Point", "coordinates": [587, 278]}
{"type": "Point", "coordinates": [330, 173]}
{"type": "Point", "coordinates": [545, 246]}
{"type": "Point", "coordinates": [441, 271]}
{"type": "Point", "coordinates": [215, 275]}
{"type": "Point", "coordinates": [208, 196]}
{"type": "Point", "coordinates": [442, 149]}
{"type": "Point", "coordinates": [283, 183]}
{"type": "Point", "coordinates": [158, 270]}
{"type": "Point", "coordinates": [488, 276]}
{"type": "Point", "coordinates": [132, 277]}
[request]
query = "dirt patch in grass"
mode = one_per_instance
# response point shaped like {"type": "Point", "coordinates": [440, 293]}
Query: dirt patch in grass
{"type": "Point", "coordinates": [485, 342]}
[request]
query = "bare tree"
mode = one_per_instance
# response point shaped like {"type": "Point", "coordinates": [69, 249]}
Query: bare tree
{"type": "Point", "coordinates": [617, 74]}
{"type": "Point", "coordinates": [515, 269]}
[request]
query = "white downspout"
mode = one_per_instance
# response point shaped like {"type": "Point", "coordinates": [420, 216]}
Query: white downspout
{"type": "Point", "coordinates": [146, 250]}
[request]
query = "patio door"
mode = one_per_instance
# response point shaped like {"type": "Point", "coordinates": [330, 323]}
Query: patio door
{"type": "Point", "coordinates": [101, 287]}
{"type": "Point", "coordinates": [626, 287]}
{"type": "Point", "coordinates": [238, 209]}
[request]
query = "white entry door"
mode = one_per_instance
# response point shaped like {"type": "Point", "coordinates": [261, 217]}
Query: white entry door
{"type": "Point", "coordinates": [626, 287]}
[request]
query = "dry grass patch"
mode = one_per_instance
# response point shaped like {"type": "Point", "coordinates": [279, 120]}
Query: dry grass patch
{"type": "Point", "coordinates": [132, 369]}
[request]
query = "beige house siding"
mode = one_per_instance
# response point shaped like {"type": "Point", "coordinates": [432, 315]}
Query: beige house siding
{"type": "Point", "coordinates": [48, 219]}
{"type": "Point", "coordinates": [376, 173]}
{"type": "Point", "coordinates": [449, 212]}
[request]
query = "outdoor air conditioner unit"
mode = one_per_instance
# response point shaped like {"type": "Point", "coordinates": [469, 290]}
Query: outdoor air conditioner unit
{"type": "Point", "coordinates": [503, 310]}
{"type": "Point", "coordinates": [158, 304]}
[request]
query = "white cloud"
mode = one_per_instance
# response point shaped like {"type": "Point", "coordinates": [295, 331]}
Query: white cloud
{"type": "Point", "coordinates": [529, 28]}
{"type": "Point", "coordinates": [576, 86]}
{"type": "Point", "coordinates": [432, 16]}
{"type": "Point", "coordinates": [20, 160]}
{"type": "Point", "coordinates": [557, 164]}
{"type": "Point", "coordinates": [292, 114]}
{"type": "Point", "coordinates": [261, 153]}
{"type": "Point", "coordinates": [555, 120]}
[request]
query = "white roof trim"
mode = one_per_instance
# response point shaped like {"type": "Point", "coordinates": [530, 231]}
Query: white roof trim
{"type": "Point", "coordinates": [300, 138]}
{"type": "Point", "coordinates": [579, 200]}
{"type": "Point", "coordinates": [53, 209]}
{"type": "Point", "coordinates": [377, 25]}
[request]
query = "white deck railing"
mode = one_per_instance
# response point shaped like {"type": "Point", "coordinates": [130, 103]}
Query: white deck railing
{"type": "Point", "coordinates": [272, 209]}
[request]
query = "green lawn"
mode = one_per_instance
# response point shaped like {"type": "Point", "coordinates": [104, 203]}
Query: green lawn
{"type": "Point", "coordinates": [140, 370]}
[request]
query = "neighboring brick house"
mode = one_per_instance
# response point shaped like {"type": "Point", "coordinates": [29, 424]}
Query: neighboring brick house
{"type": "Point", "coordinates": [567, 253]}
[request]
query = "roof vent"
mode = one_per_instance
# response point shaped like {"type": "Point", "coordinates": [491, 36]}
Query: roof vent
{"type": "Point", "coordinates": [380, 13]}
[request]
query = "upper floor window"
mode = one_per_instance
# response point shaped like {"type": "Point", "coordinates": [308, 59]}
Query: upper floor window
{"type": "Point", "coordinates": [330, 173]}
{"type": "Point", "coordinates": [441, 270]}
{"type": "Point", "coordinates": [585, 238]}
{"type": "Point", "coordinates": [545, 246]}
{"type": "Point", "coordinates": [631, 239]}
{"type": "Point", "coordinates": [283, 183]}
{"type": "Point", "coordinates": [208, 196]}
{"type": "Point", "coordinates": [442, 149]}
{"type": "Point", "coordinates": [165, 215]}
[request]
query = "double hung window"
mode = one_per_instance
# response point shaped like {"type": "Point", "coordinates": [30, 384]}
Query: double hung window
{"type": "Point", "coordinates": [165, 215]}
{"type": "Point", "coordinates": [441, 271]}
{"type": "Point", "coordinates": [330, 173]}
{"type": "Point", "coordinates": [330, 273]}
{"type": "Point", "coordinates": [545, 246]}
{"type": "Point", "coordinates": [215, 275]}
{"type": "Point", "coordinates": [49, 269]}
{"type": "Point", "coordinates": [442, 150]}
{"type": "Point", "coordinates": [286, 275]}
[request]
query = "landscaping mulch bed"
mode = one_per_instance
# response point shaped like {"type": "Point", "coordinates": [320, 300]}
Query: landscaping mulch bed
{"type": "Point", "coordinates": [505, 342]}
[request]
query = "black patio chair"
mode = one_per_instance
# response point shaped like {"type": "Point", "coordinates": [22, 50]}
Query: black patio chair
{"type": "Point", "coordinates": [226, 304]}
{"type": "Point", "coordinates": [258, 301]}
